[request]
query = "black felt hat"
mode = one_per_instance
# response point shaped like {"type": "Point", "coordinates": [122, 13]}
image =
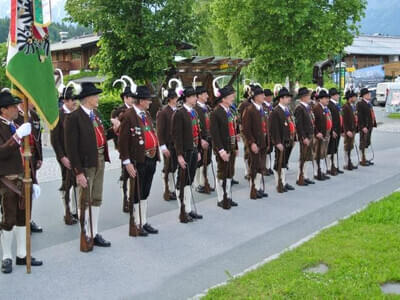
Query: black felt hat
{"type": "Point", "coordinates": [127, 93]}
{"type": "Point", "coordinates": [225, 92]}
{"type": "Point", "coordinates": [268, 92]}
{"type": "Point", "coordinates": [67, 94]}
{"type": "Point", "coordinates": [143, 92]}
{"type": "Point", "coordinates": [6, 99]}
{"type": "Point", "coordinates": [349, 94]}
{"type": "Point", "coordinates": [303, 92]}
{"type": "Point", "coordinates": [322, 94]}
{"type": "Point", "coordinates": [282, 93]}
{"type": "Point", "coordinates": [88, 89]}
{"type": "Point", "coordinates": [200, 90]}
{"type": "Point", "coordinates": [364, 91]}
{"type": "Point", "coordinates": [333, 92]}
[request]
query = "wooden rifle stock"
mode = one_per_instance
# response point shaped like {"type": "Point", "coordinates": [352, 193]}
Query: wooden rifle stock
{"type": "Point", "coordinates": [182, 215]}
{"type": "Point", "coordinates": [207, 188]}
{"type": "Point", "coordinates": [86, 243]}
{"type": "Point", "coordinates": [167, 191]}
{"type": "Point", "coordinates": [280, 188]}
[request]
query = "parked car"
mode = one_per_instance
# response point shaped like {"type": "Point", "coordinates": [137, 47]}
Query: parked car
{"type": "Point", "coordinates": [382, 91]}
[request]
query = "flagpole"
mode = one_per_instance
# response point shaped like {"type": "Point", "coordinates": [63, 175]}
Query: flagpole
{"type": "Point", "coordinates": [27, 186]}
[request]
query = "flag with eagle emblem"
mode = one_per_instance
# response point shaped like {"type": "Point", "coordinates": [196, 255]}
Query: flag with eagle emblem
{"type": "Point", "coordinates": [29, 65]}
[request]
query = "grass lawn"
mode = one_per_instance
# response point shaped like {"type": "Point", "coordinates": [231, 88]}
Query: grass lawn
{"type": "Point", "coordinates": [361, 252]}
{"type": "Point", "coordinates": [394, 116]}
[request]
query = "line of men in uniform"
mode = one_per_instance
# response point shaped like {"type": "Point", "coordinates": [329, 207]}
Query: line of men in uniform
{"type": "Point", "coordinates": [185, 138]}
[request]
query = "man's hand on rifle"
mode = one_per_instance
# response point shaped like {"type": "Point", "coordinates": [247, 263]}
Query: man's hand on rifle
{"type": "Point", "coordinates": [254, 148]}
{"type": "Point", "coordinates": [38, 164]}
{"type": "Point", "coordinates": [166, 153]}
{"type": "Point", "coordinates": [198, 156]}
{"type": "Point", "coordinates": [320, 136]}
{"type": "Point", "coordinates": [181, 161]}
{"type": "Point", "coordinates": [131, 170]}
{"type": "Point", "coordinates": [224, 155]}
{"type": "Point", "coordinates": [116, 123]}
{"type": "Point", "coordinates": [66, 163]}
{"type": "Point", "coordinates": [81, 180]}
{"type": "Point", "coordinates": [365, 130]}
{"type": "Point", "coordinates": [280, 147]}
{"type": "Point", "coordinates": [349, 134]}
{"type": "Point", "coordinates": [306, 141]}
{"type": "Point", "coordinates": [204, 144]}
{"type": "Point", "coordinates": [334, 134]}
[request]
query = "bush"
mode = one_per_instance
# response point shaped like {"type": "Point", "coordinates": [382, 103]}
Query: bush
{"type": "Point", "coordinates": [108, 101]}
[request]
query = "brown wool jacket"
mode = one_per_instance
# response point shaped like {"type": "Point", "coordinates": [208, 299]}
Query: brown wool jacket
{"type": "Point", "coordinates": [220, 131]}
{"type": "Point", "coordinates": [57, 136]}
{"type": "Point", "coordinates": [80, 141]}
{"type": "Point", "coordinates": [304, 122]}
{"type": "Point", "coordinates": [279, 127]}
{"type": "Point", "coordinates": [10, 155]}
{"type": "Point", "coordinates": [252, 127]}
{"type": "Point", "coordinates": [164, 126]}
{"type": "Point", "coordinates": [320, 120]}
{"type": "Point", "coordinates": [349, 118]}
{"type": "Point", "coordinates": [182, 135]}
{"type": "Point", "coordinates": [131, 133]}
{"type": "Point", "coordinates": [364, 115]}
{"type": "Point", "coordinates": [205, 134]}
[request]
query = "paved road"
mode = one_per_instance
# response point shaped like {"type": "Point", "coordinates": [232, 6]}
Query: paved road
{"type": "Point", "coordinates": [184, 260]}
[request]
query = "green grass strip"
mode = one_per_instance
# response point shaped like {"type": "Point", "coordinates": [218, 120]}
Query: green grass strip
{"type": "Point", "coordinates": [362, 252]}
{"type": "Point", "coordinates": [394, 116]}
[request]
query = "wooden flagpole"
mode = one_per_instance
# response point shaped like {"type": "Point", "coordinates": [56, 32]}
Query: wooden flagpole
{"type": "Point", "coordinates": [27, 188]}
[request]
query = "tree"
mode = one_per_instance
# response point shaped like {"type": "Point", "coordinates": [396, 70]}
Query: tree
{"type": "Point", "coordinates": [138, 37]}
{"type": "Point", "coordinates": [285, 37]}
{"type": "Point", "coordinates": [4, 82]}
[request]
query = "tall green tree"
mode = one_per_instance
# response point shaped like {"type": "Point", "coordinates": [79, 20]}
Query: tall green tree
{"type": "Point", "coordinates": [138, 37]}
{"type": "Point", "coordinates": [4, 82]}
{"type": "Point", "coordinates": [285, 37]}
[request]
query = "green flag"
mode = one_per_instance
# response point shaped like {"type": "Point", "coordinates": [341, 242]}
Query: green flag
{"type": "Point", "coordinates": [29, 65]}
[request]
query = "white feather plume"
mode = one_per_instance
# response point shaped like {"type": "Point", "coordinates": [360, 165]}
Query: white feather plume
{"type": "Point", "coordinates": [194, 82]}
{"type": "Point", "coordinates": [131, 83]}
{"type": "Point", "coordinates": [277, 88]}
{"type": "Point", "coordinates": [164, 93]}
{"type": "Point", "coordinates": [179, 86]}
{"type": "Point", "coordinates": [216, 90]}
{"type": "Point", "coordinates": [77, 88]}
{"type": "Point", "coordinates": [5, 90]}
{"type": "Point", "coordinates": [124, 84]}
{"type": "Point", "coordinates": [62, 85]}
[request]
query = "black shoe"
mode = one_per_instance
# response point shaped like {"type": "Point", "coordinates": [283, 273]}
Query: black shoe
{"type": "Point", "coordinates": [270, 172]}
{"type": "Point", "coordinates": [308, 181]}
{"type": "Point", "coordinates": [35, 227]}
{"type": "Point", "coordinates": [149, 229]}
{"type": "Point", "coordinates": [339, 171]}
{"type": "Point", "coordinates": [234, 181]}
{"type": "Point", "coordinates": [247, 177]}
{"type": "Point", "coordinates": [326, 177]}
{"type": "Point", "coordinates": [142, 232]}
{"type": "Point", "coordinates": [259, 194]}
{"type": "Point", "coordinates": [233, 203]}
{"type": "Point", "coordinates": [201, 189]}
{"type": "Point", "coordinates": [100, 242]}
{"type": "Point", "coordinates": [263, 195]}
{"type": "Point", "coordinates": [195, 216]}
{"type": "Point", "coordinates": [371, 163]}
{"type": "Point", "coordinates": [172, 196]}
{"type": "Point", "coordinates": [289, 187]}
{"type": "Point", "coordinates": [75, 216]}
{"type": "Point", "coordinates": [6, 266]}
{"type": "Point", "coordinates": [22, 262]}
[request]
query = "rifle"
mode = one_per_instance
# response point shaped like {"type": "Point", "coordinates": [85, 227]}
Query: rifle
{"type": "Point", "coordinates": [280, 188]}
{"type": "Point", "coordinates": [253, 191]}
{"type": "Point", "coordinates": [207, 188]}
{"type": "Point", "coordinates": [302, 161]}
{"type": "Point", "coordinates": [166, 192]}
{"type": "Point", "coordinates": [133, 230]}
{"type": "Point", "coordinates": [67, 186]}
{"type": "Point", "coordinates": [86, 244]}
{"type": "Point", "coordinates": [226, 204]}
{"type": "Point", "coordinates": [333, 169]}
{"type": "Point", "coordinates": [182, 215]}
{"type": "Point", "coordinates": [319, 175]}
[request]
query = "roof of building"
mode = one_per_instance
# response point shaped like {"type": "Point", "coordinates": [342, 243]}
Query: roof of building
{"type": "Point", "coordinates": [75, 43]}
{"type": "Point", "coordinates": [374, 45]}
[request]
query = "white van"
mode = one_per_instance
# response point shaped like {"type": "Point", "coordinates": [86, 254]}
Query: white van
{"type": "Point", "coordinates": [383, 89]}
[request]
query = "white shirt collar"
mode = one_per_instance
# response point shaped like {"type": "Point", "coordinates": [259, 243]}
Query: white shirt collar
{"type": "Point", "coordinates": [256, 105]}
{"type": "Point", "coordinates": [6, 121]}
{"type": "Point", "coordinates": [172, 107]}
{"type": "Point", "coordinates": [365, 100]}
{"type": "Point", "coordinates": [304, 104]}
{"type": "Point", "coordinates": [334, 102]}
{"type": "Point", "coordinates": [284, 108]}
{"type": "Point", "coordinates": [188, 108]}
{"type": "Point", "coordinates": [225, 108]}
{"type": "Point", "coordinates": [66, 110]}
{"type": "Point", "coordinates": [127, 106]}
{"type": "Point", "coordinates": [138, 111]}
{"type": "Point", "coordinates": [202, 105]}
{"type": "Point", "coordinates": [267, 103]}
{"type": "Point", "coordinates": [323, 106]}
{"type": "Point", "coordinates": [86, 110]}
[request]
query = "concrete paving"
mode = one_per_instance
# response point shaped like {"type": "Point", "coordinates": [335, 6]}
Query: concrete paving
{"type": "Point", "coordinates": [184, 260]}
